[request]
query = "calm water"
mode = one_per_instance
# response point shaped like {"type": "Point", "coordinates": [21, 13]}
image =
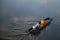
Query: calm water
{"type": "Point", "coordinates": [17, 16]}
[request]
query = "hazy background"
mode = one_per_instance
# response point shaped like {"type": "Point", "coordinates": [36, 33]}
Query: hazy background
{"type": "Point", "coordinates": [15, 14]}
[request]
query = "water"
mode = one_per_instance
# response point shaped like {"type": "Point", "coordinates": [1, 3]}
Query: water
{"type": "Point", "coordinates": [17, 16]}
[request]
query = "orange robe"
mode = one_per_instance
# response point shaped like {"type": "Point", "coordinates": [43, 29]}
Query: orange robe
{"type": "Point", "coordinates": [43, 23]}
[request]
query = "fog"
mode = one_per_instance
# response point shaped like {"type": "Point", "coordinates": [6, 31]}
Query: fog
{"type": "Point", "coordinates": [20, 11]}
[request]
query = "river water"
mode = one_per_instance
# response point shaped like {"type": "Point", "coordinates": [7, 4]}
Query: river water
{"type": "Point", "coordinates": [17, 16]}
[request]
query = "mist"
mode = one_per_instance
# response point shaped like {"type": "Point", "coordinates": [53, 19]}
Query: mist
{"type": "Point", "coordinates": [14, 11]}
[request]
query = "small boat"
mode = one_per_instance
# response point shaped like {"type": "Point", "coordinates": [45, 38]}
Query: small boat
{"type": "Point", "coordinates": [32, 31]}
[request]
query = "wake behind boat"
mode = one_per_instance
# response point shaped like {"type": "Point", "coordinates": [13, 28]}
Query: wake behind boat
{"type": "Point", "coordinates": [36, 29]}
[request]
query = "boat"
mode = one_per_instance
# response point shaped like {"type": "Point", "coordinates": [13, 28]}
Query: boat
{"type": "Point", "coordinates": [31, 31]}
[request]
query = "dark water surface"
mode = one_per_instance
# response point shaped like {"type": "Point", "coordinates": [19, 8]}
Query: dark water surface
{"type": "Point", "coordinates": [17, 16]}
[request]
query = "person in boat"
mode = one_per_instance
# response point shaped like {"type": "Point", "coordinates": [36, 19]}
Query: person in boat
{"type": "Point", "coordinates": [40, 24]}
